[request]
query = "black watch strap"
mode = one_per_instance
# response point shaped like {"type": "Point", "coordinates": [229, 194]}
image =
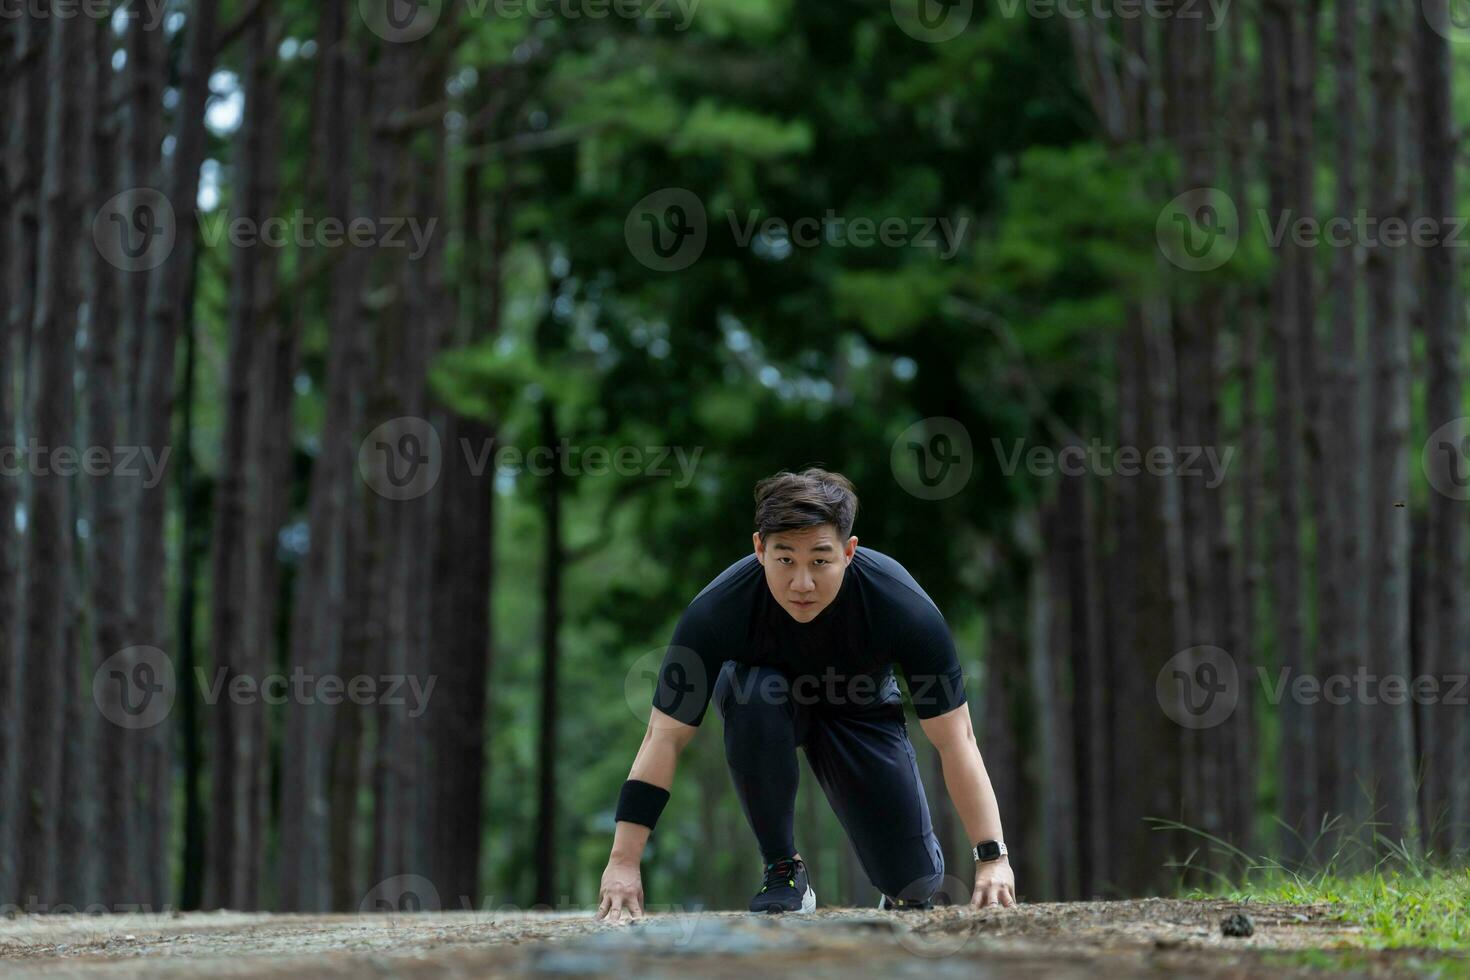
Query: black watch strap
{"type": "Point", "coordinates": [989, 850]}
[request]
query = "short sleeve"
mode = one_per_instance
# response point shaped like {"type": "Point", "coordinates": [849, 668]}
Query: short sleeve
{"type": "Point", "coordinates": [690, 667]}
{"type": "Point", "coordinates": [926, 653]}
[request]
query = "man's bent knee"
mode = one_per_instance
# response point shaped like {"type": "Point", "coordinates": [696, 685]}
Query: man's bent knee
{"type": "Point", "coordinates": [912, 881]}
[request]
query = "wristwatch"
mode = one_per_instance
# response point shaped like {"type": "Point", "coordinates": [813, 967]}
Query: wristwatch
{"type": "Point", "coordinates": [989, 850]}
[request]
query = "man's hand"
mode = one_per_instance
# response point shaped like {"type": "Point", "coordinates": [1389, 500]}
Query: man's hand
{"type": "Point", "coordinates": [995, 884]}
{"type": "Point", "coordinates": [622, 893]}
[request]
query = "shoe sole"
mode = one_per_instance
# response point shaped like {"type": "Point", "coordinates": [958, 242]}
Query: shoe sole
{"type": "Point", "coordinates": [808, 904]}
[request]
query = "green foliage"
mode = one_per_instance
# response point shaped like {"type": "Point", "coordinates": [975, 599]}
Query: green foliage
{"type": "Point", "coordinates": [891, 304]}
{"type": "Point", "coordinates": [714, 129]}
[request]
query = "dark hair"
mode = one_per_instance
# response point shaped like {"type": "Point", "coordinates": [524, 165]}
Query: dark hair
{"type": "Point", "coordinates": [788, 501]}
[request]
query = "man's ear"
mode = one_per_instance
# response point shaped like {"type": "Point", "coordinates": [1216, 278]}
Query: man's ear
{"type": "Point", "coordinates": [760, 548]}
{"type": "Point", "coordinates": [851, 547]}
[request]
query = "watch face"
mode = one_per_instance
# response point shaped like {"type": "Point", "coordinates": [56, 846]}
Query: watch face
{"type": "Point", "coordinates": [988, 851]}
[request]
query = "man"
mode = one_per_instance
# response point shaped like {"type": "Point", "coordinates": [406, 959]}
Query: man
{"type": "Point", "coordinates": [796, 645]}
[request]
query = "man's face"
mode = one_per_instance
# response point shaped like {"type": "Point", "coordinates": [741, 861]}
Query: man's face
{"type": "Point", "coordinates": [804, 568]}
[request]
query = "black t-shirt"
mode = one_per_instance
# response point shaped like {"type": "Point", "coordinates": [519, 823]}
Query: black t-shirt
{"type": "Point", "coordinates": [840, 661]}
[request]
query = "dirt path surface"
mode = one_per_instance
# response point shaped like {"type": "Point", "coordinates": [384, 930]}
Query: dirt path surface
{"type": "Point", "coordinates": [1151, 937]}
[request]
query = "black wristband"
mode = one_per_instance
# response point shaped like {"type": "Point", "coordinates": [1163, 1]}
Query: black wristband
{"type": "Point", "coordinates": [641, 802]}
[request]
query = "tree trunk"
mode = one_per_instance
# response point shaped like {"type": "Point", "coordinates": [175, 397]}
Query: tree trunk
{"type": "Point", "coordinates": [49, 517]}
{"type": "Point", "coordinates": [1089, 683]}
{"type": "Point", "coordinates": [1391, 725]}
{"type": "Point", "coordinates": [167, 293]}
{"type": "Point", "coordinates": [465, 575]}
{"type": "Point", "coordinates": [142, 166]}
{"type": "Point", "coordinates": [107, 542]}
{"type": "Point", "coordinates": [321, 604]}
{"type": "Point", "coordinates": [194, 551]}
{"type": "Point", "coordinates": [1298, 749]}
{"type": "Point", "coordinates": [1447, 799]}
{"type": "Point", "coordinates": [234, 638]}
{"type": "Point", "coordinates": [545, 854]}
{"type": "Point", "coordinates": [1344, 596]}
{"type": "Point", "coordinates": [27, 158]}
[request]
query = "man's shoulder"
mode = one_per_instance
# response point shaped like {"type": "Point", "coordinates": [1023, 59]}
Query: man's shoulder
{"type": "Point", "coordinates": [893, 581]}
{"type": "Point", "coordinates": [730, 585]}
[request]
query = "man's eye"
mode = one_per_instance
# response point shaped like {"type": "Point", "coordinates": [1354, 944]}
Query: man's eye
{"type": "Point", "coordinates": [821, 561]}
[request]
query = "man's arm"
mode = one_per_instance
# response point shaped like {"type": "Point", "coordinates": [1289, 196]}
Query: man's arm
{"type": "Point", "coordinates": [658, 756]}
{"type": "Point", "coordinates": [969, 786]}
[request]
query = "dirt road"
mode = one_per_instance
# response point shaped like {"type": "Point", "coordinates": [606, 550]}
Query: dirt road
{"type": "Point", "coordinates": [1152, 937]}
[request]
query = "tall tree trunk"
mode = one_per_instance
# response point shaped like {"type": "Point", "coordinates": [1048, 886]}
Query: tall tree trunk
{"type": "Point", "coordinates": [23, 63]}
{"type": "Point", "coordinates": [1298, 750]}
{"type": "Point", "coordinates": [48, 665]}
{"type": "Point", "coordinates": [464, 573]}
{"type": "Point", "coordinates": [1344, 595]}
{"type": "Point", "coordinates": [142, 166]}
{"type": "Point", "coordinates": [167, 293]}
{"type": "Point", "coordinates": [193, 552]}
{"type": "Point", "coordinates": [551, 493]}
{"type": "Point", "coordinates": [1089, 686]}
{"type": "Point", "coordinates": [1391, 725]}
{"type": "Point", "coordinates": [320, 609]}
{"type": "Point", "coordinates": [111, 617]}
{"type": "Point", "coordinates": [398, 385]}
{"type": "Point", "coordinates": [1447, 798]}
{"type": "Point", "coordinates": [234, 638]}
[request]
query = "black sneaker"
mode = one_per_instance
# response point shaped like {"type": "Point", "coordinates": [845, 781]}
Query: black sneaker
{"type": "Point", "coordinates": [785, 888]}
{"type": "Point", "coordinates": [887, 904]}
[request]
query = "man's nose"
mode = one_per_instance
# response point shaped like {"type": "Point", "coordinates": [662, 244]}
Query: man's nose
{"type": "Point", "coordinates": [804, 582]}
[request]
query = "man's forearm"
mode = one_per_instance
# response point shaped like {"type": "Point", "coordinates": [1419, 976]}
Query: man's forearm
{"type": "Point", "coordinates": [655, 763]}
{"type": "Point", "coordinates": [969, 787]}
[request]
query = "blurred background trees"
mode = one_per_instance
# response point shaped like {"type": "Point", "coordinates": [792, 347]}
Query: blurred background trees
{"type": "Point", "coordinates": [521, 175]}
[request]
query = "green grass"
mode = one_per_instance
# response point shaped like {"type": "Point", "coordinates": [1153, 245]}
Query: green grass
{"type": "Point", "coordinates": [1398, 909]}
{"type": "Point", "coordinates": [1403, 900]}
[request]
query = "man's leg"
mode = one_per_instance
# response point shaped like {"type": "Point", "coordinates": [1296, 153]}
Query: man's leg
{"type": "Point", "coordinates": [762, 730]}
{"type": "Point", "coordinates": [866, 767]}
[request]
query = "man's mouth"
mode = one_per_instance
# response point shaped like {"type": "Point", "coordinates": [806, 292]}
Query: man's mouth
{"type": "Point", "coordinates": [799, 602]}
